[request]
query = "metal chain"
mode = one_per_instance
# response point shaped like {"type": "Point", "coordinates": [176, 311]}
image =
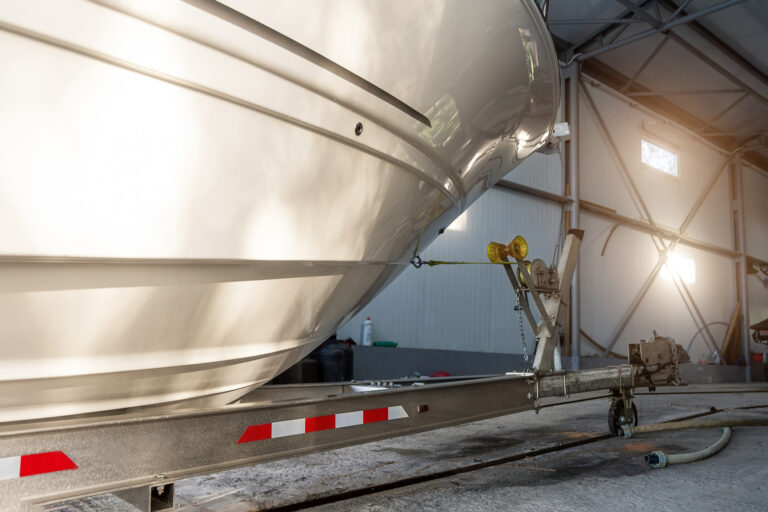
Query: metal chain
{"type": "Point", "coordinates": [519, 309]}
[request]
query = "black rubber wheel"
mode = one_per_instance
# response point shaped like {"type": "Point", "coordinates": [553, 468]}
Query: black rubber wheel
{"type": "Point", "coordinates": [617, 418]}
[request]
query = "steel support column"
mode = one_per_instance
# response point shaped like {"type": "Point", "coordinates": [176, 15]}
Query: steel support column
{"type": "Point", "coordinates": [551, 309]}
{"type": "Point", "coordinates": [737, 208]}
{"type": "Point", "coordinates": [574, 79]}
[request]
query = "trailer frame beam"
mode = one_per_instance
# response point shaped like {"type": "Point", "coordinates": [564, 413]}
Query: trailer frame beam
{"type": "Point", "coordinates": [133, 454]}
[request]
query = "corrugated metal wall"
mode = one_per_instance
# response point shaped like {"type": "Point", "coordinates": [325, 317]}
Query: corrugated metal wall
{"type": "Point", "coordinates": [471, 307]}
{"type": "Point", "coordinates": [612, 279]}
{"type": "Point", "coordinates": [756, 210]}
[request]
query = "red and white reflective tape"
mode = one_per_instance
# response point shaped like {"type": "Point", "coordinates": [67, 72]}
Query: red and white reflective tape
{"type": "Point", "coordinates": [318, 423]}
{"type": "Point", "coordinates": [34, 464]}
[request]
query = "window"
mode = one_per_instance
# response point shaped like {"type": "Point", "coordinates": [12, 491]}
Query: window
{"type": "Point", "coordinates": [661, 159]}
{"type": "Point", "coordinates": [683, 267]}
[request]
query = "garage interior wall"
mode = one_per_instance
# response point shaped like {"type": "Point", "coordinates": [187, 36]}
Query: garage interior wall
{"type": "Point", "coordinates": [470, 307]}
{"type": "Point", "coordinates": [756, 227]}
{"type": "Point", "coordinates": [613, 273]}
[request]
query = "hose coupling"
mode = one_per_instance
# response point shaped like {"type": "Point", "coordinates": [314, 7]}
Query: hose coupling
{"type": "Point", "coordinates": [656, 459]}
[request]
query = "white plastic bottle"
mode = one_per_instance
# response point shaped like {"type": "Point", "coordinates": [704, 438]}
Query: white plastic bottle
{"type": "Point", "coordinates": [367, 332]}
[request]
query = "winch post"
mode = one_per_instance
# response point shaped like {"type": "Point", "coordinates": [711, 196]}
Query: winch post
{"type": "Point", "coordinates": [554, 302]}
{"type": "Point", "coordinates": [540, 303]}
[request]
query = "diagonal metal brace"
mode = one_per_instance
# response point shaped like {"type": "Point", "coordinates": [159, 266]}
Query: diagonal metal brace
{"type": "Point", "coordinates": [536, 298]}
{"type": "Point", "coordinates": [522, 297]}
{"type": "Point", "coordinates": [554, 303]}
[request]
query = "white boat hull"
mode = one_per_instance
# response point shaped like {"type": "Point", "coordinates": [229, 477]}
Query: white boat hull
{"type": "Point", "coordinates": [186, 208]}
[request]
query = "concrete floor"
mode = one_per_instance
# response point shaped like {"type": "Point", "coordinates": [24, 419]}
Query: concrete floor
{"type": "Point", "coordinates": [605, 475]}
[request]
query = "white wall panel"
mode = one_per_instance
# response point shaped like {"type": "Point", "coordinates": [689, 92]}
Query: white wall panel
{"type": "Point", "coordinates": [610, 282]}
{"type": "Point", "coordinates": [467, 307]}
{"type": "Point", "coordinates": [663, 309]}
{"type": "Point", "coordinates": [668, 199]}
{"type": "Point", "coordinates": [756, 227]}
{"type": "Point", "coordinates": [756, 212]}
{"type": "Point", "coordinates": [544, 172]}
{"type": "Point", "coordinates": [758, 299]}
{"type": "Point", "coordinates": [713, 223]}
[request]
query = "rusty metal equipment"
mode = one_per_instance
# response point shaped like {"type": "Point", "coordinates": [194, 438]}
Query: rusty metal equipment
{"type": "Point", "coordinates": [662, 351]}
{"type": "Point", "coordinates": [761, 331]}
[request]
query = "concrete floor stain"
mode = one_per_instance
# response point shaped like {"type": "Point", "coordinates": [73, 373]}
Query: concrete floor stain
{"type": "Point", "coordinates": [406, 452]}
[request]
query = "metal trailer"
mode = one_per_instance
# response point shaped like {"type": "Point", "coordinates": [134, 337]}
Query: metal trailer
{"type": "Point", "coordinates": [139, 455]}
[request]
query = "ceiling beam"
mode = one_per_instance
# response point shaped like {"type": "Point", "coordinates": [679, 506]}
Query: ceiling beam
{"type": "Point", "coordinates": [727, 109]}
{"type": "Point", "coordinates": [645, 63]}
{"type": "Point", "coordinates": [615, 80]}
{"type": "Point", "coordinates": [678, 10]}
{"type": "Point", "coordinates": [659, 26]}
{"type": "Point", "coordinates": [593, 22]}
{"type": "Point", "coordinates": [638, 10]}
{"type": "Point", "coordinates": [605, 30]}
{"type": "Point", "coordinates": [718, 43]}
{"type": "Point", "coordinates": [693, 49]}
{"type": "Point", "coordinates": [658, 104]}
{"type": "Point", "coordinates": [688, 92]}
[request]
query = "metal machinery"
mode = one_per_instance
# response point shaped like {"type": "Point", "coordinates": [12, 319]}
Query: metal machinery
{"type": "Point", "coordinates": [138, 455]}
{"type": "Point", "coordinates": [760, 334]}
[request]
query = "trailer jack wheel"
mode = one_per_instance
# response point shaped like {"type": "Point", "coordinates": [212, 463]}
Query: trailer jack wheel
{"type": "Point", "coordinates": [618, 417]}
